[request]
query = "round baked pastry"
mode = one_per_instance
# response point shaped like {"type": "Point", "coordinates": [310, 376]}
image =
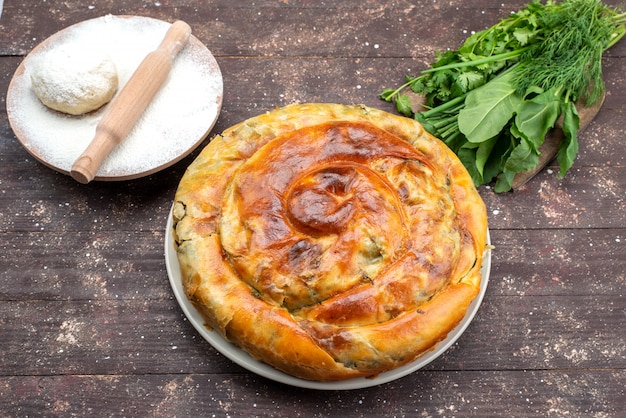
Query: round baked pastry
{"type": "Point", "coordinates": [330, 241]}
{"type": "Point", "coordinates": [73, 79]}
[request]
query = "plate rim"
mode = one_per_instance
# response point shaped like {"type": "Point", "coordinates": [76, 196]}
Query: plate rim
{"type": "Point", "coordinates": [246, 361]}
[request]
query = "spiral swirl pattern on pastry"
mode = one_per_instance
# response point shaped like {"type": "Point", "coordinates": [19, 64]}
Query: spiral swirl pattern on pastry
{"type": "Point", "coordinates": [330, 241]}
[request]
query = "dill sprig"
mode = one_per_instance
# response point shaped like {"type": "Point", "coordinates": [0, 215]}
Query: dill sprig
{"type": "Point", "coordinates": [575, 34]}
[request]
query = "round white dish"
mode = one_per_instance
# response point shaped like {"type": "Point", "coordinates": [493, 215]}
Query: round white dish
{"type": "Point", "coordinates": [243, 359]}
{"type": "Point", "coordinates": [178, 119]}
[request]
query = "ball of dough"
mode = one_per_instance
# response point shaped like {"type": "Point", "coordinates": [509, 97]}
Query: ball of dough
{"type": "Point", "coordinates": [74, 79]}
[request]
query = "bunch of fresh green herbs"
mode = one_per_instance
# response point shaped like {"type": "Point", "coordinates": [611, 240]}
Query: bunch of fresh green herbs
{"type": "Point", "coordinates": [493, 100]}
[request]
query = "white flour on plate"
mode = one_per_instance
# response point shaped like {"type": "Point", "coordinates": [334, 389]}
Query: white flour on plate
{"type": "Point", "coordinates": [179, 117]}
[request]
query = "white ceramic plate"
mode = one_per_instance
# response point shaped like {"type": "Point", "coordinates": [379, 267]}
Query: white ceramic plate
{"type": "Point", "coordinates": [245, 360]}
{"type": "Point", "coordinates": [180, 116]}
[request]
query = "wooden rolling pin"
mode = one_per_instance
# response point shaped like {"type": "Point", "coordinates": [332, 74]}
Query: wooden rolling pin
{"type": "Point", "coordinates": [131, 102]}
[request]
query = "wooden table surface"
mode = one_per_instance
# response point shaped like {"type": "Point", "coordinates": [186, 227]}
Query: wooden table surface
{"type": "Point", "coordinates": [88, 320]}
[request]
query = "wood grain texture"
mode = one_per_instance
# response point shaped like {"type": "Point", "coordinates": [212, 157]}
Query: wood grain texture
{"type": "Point", "coordinates": [89, 324]}
{"type": "Point", "coordinates": [143, 336]}
{"type": "Point", "coordinates": [529, 393]}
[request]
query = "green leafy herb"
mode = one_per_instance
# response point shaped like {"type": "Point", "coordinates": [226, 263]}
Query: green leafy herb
{"type": "Point", "coordinates": [493, 100]}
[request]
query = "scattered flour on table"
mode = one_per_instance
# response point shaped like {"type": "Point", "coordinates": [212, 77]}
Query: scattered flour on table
{"type": "Point", "coordinates": [179, 117]}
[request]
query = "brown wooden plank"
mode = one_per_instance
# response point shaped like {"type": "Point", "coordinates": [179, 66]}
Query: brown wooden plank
{"type": "Point", "coordinates": [586, 197]}
{"type": "Point", "coordinates": [141, 336]}
{"type": "Point", "coordinates": [558, 262]}
{"type": "Point", "coordinates": [102, 265]}
{"type": "Point", "coordinates": [268, 28]}
{"type": "Point", "coordinates": [426, 394]}
{"type": "Point", "coordinates": [111, 337]}
{"type": "Point", "coordinates": [348, 29]}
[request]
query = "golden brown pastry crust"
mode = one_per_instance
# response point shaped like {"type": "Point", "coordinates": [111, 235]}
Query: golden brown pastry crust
{"type": "Point", "coordinates": [330, 241]}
